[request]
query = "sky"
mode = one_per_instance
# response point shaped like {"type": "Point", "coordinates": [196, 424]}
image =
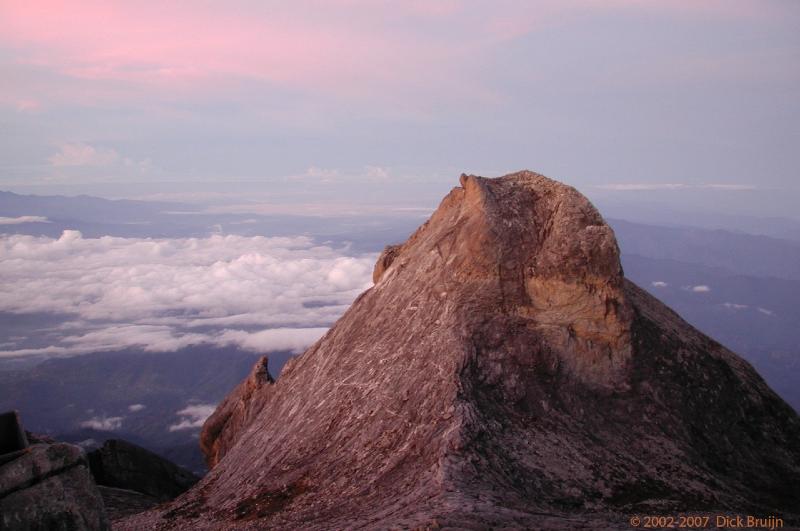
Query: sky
{"type": "Point", "coordinates": [318, 101]}
{"type": "Point", "coordinates": [367, 108]}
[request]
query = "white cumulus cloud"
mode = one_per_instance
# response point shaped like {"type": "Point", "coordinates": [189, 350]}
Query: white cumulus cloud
{"type": "Point", "coordinates": [192, 416]}
{"type": "Point", "coordinates": [294, 339]}
{"type": "Point", "coordinates": [23, 219]}
{"type": "Point", "coordinates": [735, 306]}
{"type": "Point", "coordinates": [377, 172]}
{"type": "Point", "coordinates": [165, 294]}
{"type": "Point", "coordinates": [82, 154]}
{"type": "Point", "coordinates": [136, 407]}
{"type": "Point", "coordinates": [701, 288]}
{"type": "Point", "coordinates": [659, 284]}
{"type": "Point", "coordinates": [103, 423]}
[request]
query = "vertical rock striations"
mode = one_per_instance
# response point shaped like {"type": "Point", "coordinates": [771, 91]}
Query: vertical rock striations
{"type": "Point", "coordinates": [501, 372]}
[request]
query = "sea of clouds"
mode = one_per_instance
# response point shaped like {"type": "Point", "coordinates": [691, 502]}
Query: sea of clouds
{"type": "Point", "coordinates": [258, 293]}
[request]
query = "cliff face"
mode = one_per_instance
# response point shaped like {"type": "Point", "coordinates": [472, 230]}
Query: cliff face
{"type": "Point", "coordinates": [500, 372]}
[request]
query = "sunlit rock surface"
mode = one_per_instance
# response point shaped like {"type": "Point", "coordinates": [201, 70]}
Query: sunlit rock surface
{"type": "Point", "coordinates": [501, 373]}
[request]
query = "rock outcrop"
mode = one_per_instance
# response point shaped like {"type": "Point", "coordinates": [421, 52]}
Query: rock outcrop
{"type": "Point", "coordinates": [236, 412]}
{"type": "Point", "coordinates": [49, 488]}
{"type": "Point", "coordinates": [121, 503]}
{"type": "Point", "coordinates": [124, 465]}
{"type": "Point", "coordinates": [500, 373]}
{"type": "Point", "coordinates": [13, 439]}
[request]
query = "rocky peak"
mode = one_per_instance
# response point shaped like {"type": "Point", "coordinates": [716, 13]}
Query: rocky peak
{"type": "Point", "coordinates": [501, 372]}
{"type": "Point", "coordinates": [536, 249]}
{"type": "Point", "coordinates": [524, 223]}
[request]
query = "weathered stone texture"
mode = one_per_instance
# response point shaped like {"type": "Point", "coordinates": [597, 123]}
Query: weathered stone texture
{"type": "Point", "coordinates": [501, 373]}
{"type": "Point", "coordinates": [49, 488]}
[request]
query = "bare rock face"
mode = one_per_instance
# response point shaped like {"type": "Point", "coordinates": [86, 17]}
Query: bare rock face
{"type": "Point", "coordinates": [501, 373]}
{"type": "Point", "coordinates": [544, 254]}
{"type": "Point", "coordinates": [49, 488]}
{"type": "Point", "coordinates": [223, 428]}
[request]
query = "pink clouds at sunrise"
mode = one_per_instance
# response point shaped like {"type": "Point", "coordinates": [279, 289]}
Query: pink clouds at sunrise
{"type": "Point", "coordinates": [166, 42]}
{"type": "Point", "coordinates": [346, 84]}
{"type": "Point", "coordinates": [354, 48]}
{"type": "Point", "coordinates": [194, 43]}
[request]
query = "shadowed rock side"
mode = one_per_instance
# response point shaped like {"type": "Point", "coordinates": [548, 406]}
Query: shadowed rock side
{"type": "Point", "coordinates": [501, 372]}
{"type": "Point", "coordinates": [49, 487]}
{"type": "Point", "coordinates": [124, 465]}
{"type": "Point", "coordinates": [236, 412]}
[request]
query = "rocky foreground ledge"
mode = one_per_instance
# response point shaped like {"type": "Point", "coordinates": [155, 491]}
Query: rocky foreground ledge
{"type": "Point", "coordinates": [48, 487]}
{"type": "Point", "coordinates": [501, 373]}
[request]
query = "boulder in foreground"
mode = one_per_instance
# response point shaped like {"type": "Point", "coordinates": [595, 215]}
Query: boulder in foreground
{"type": "Point", "coordinates": [49, 488]}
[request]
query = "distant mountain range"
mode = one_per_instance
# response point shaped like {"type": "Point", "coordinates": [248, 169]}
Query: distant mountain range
{"type": "Point", "coordinates": [734, 252]}
{"type": "Point", "coordinates": [95, 217]}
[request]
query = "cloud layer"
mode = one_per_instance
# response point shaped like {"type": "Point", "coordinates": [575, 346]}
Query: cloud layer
{"type": "Point", "coordinates": [192, 417]}
{"type": "Point", "coordinates": [23, 219]}
{"type": "Point", "coordinates": [258, 293]}
{"type": "Point", "coordinates": [103, 423]}
{"type": "Point", "coordinates": [637, 187]}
